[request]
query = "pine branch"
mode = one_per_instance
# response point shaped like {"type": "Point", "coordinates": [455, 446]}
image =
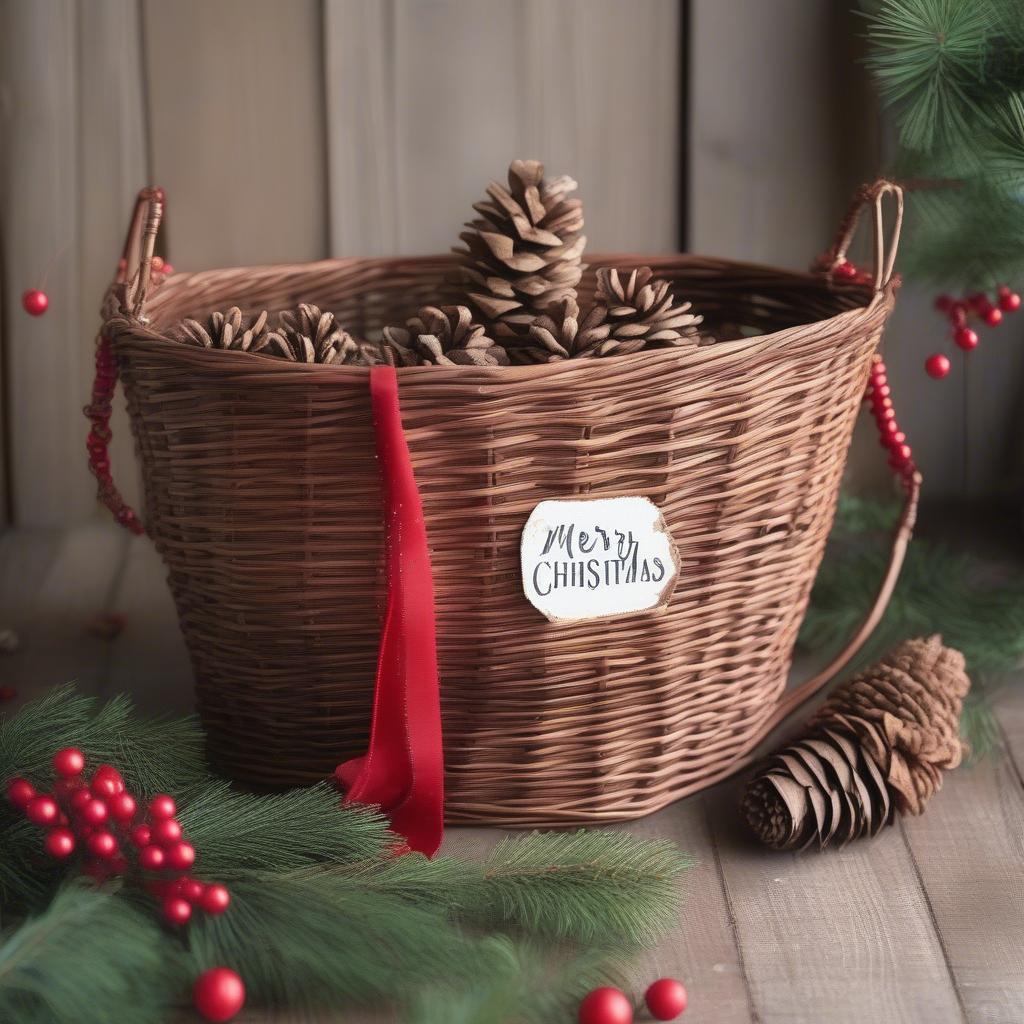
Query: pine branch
{"type": "Point", "coordinates": [89, 959]}
{"type": "Point", "coordinates": [237, 833]}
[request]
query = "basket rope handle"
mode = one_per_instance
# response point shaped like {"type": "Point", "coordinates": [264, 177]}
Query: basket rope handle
{"type": "Point", "coordinates": [130, 288]}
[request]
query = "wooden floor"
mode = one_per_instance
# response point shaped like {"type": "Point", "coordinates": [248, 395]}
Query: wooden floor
{"type": "Point", "coordinates": [924, 924]}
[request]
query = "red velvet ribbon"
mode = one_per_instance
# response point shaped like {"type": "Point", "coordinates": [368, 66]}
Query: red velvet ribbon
{"type": "Point", "coordinates": [403, 769]}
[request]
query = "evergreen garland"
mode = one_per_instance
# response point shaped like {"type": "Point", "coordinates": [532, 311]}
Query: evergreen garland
{"type": "Point", "coordinates": [323, 914]}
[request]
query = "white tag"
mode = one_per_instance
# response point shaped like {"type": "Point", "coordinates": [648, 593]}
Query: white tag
{"type": "Point", "coordinates": [595, 559]}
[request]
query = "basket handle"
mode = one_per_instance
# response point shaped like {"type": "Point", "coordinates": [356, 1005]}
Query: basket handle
{"type": "Point", "coordinates": [131, 287]}
{"type": "Point", "coordinates": [885, 248]}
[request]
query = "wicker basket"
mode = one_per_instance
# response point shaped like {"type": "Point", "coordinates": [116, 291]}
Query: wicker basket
{"type": "Point", "coordinates": [261, 494]}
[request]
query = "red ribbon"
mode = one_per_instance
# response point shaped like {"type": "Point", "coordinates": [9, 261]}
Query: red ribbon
{"type": "Point", "coordinates": [403, 769]}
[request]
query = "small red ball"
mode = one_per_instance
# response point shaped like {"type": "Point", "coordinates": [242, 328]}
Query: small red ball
{"type": "Point", "coordinates": [880, 391]}
{"type": "Point", "coordinates": [606, 1006]}
{"type": "Point", "coordinates": [141, 836]}
{"type": "Point", "coordinates": [60, 843]}
{"type": "Point", "coordinates": [1009, 302]}
{"type": "Point", "coordinates": [19, 792]}
{"type": "Point", "coordinates": [80, 798]}
{"type": "Point", "coordinates": [122, 807]}
{"type": "Point", "coordinates": [152, 858]}
{"type": "Point", "coordinates": [168, 269]}
{"type": "Point", "coordinates": [42, 810]}
{"type": "Point", "coordinates": [992, 315]}
{"type": "Point", "coordinates": [162, 806]}
{"type": "Point", "coordinates": [898, 438]}
{"type": "Point", "coordinates": [35, 302]}
{"type": "Point", "coordinates": [958, 317]}
{"type": "Point", "coordinates": [966, 339]}
{"type": "Point", "coordinates": [902, 452]}
{"type": "Point", "coordinates": [190, 889]}
{"type": "Point", "coordinates": [177, 910]}
{"type": "Point", "coordinates": [937, 366]}
{"type": "Point", "coordinates": [666, 999]}
{"type": "Point", "coordinates": [102, 845]}
{"type": "Point", "coordinates": [103, 786]}
{"type": "Point", "coordinates": [108, 771]}
{"type": "Point", "coordinates": [215, 899]}
{"type": "Point", "coordinates": [218, 994]}
{"type": "Point", "coordinates": [845, 270]}
{"type": "Point", "coordinates": [978, 301]}
{"type": "Point", "coordinates": [95, 812]}
{"type": "Point", "coordinates": [69, 762]}
{"type": "Point", "coordinates": [166, 831]}
{"type": "Point", "coordinates": [180, 856]}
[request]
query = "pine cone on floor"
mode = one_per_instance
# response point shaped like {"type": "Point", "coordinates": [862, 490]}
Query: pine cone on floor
{"type": "Point", "coordinates": [878, 746]}
{"type": "Point", "coordinates": [309, 335]}
{"type": "Point", "coordinates": [642, 312]}
{"type": "Point", "coordinates": [228, 330]}
{"type": "Point", "coordinates": [524, 250]}
{"type": "Point", "coordinates": [442, 335]}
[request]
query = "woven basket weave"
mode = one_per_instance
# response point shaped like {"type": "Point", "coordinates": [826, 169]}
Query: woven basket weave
{"type": "Point", "coordinates": [262, 496]}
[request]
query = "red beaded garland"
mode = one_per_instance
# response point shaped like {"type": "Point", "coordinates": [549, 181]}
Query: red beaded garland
{"type": "Point", "coordinates": [606, 1006]}
{"type": "Point", "coordinates": [666, 999]}
{"type": "Point", "coordinates": [19, 792]}
{"type": "Point", "coordinates": [35, 302]}
{"type": "Point", "coordinates": [219, 994]}
{"type": "Point", "coordinates": [162, 806]}
{"type": "Point", "coordinates": [215, 899]}
{"type": "Point", "coordinates": [176, 910]}
{"type": "Point", "coordinates": [60, 843]}
{"type": "Point", "coordinates": [937, 366]}
{"type": "Point", "coordinates": [69, 762]}
{"type": "Point", "coordinates": [42, 810]}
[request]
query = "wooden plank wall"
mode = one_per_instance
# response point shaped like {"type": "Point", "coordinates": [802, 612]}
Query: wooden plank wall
{"type": "Point", "coordinates": [287, 131]}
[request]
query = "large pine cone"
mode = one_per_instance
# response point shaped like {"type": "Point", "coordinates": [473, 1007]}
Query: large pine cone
{"type": "Point", "coordinates": [642, 312]}
{"type": "Point", "coordinates": [878, 746]}
{"type": "Point", "coordinates": [444, 336]}
{"type": "Point", "coordinates": [523, 252]}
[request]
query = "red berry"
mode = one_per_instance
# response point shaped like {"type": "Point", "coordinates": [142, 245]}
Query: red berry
{"type": "Point", "coordinates": [937, 366]}
{"type": "Point", "coordinates": [105, 786]}
{"type": "Point", "coordinates": [42, 810]}
{"type": "Point", "coordinates": [65, 789]}
{"type": "Point", "coordinates": [35, 302]}
{"type": "Point", "coordinates": [992, 315]}
{"type": "Point", "coordinates": [180, 856]}
{"type": "Point", "coordinates": [606, 1006]}
{"type": "Point", "coordinates": [95, 812]}
{"type": "Point", "coordinates": [80, 798]}
{"type": "Point", "coordinates": [966, 339]}
{"type": "Point", "coordinates": [166, 831]}
{"type": "Point", "coordinates": [846, 270]}
{"type": "Point", "coordinates": [69, 762]}
{"type": "Point", "coordinates": [190, 889]}
{"type": "Point", "coordinates": [19, 792]}
{"type": "Point", "coordinates": [60, 843]}
{"type": "Point", "coordinates": [958, 317]}
{"type": "Point", "coordinates": [108, 771]}
{"type": "Point", "coordinates": [978, 301]}
{"type": "Point", "coordinates": [141, 836]}
{"type": "Point", "coordinates": [122, 807]}
{"type": "Point", "coordinates": [666, 999]}
{"type": "Point", "coordinates": [177, 910]}
{"type": "Point", "coordinates": [1009, 302]}
{"type": "Point", "coordinates": [152, 858]}
{"type": "Point", "coordinates": [102, 844]}
{"type": "Point", "coordinates": [943, 303]}
{"type": "Point", "coordinates": [215, 899]}
{"type": "Point", "coordinates": [168, 269]}
{"type": "Point", "coordinates": [218, 994]}
{"type": "Point", "coordinates": [162, 806]}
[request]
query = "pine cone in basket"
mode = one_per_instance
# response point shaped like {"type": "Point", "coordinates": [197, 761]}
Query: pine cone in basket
{"type": "Point", "coordinates": [308, 335]}
{"type": "Point", "coordinates": [441, 335]}
{"type": "Point", "coordinates": [878, 746]}
{"type": "Point", "coordinates": [524, 250]}
{"type": "Point", "coordinates": [225, 330]}
{"type": "Point", "coordinates": [642, 312]}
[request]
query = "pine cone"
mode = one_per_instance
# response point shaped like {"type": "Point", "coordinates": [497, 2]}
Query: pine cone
{"type": "Point", "coordinates": [878, 746]}
{"type": "Point", "coordinates": [642, 312]}
{"type": "Point", "coordinates": [560, 333]}
{"type": "Point", "coordinates": [442, 335]}
{"type": "Point", "coordinates": [225, 330]}
{"type": "Point", "coordinates": [524, 250]}
{"type": "Point", "coordinates": [308, 335]}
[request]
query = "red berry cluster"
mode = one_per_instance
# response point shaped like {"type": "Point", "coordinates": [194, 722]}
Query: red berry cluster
{"type": "Point", "coordinates": [666, 999]}
{"type": "Point", "coordinates": [99, 817]}
{"type": "Point", "coordinates": [879, 395]}
{"type": "Point", "coordinates": [959, 312]}
{"type": "Point", "coordinates": [99, 411]}
{"type": "Point", "coordinates": [847, 271]}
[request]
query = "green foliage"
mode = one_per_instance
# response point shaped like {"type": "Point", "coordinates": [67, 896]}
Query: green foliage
{"type": "Point", "coordinates": [322, 914]}
{"type": "Point", "coordinates": [952, 71]}
{"type": "Point", "coordinates": [91, 958]}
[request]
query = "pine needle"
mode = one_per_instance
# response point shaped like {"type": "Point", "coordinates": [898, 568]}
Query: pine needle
{"type": "Point", "coordinates": [91, 958]}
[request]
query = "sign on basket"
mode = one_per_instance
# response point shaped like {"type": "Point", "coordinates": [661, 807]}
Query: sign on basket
{"type": "Point", "coordinates": [596, 559]}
